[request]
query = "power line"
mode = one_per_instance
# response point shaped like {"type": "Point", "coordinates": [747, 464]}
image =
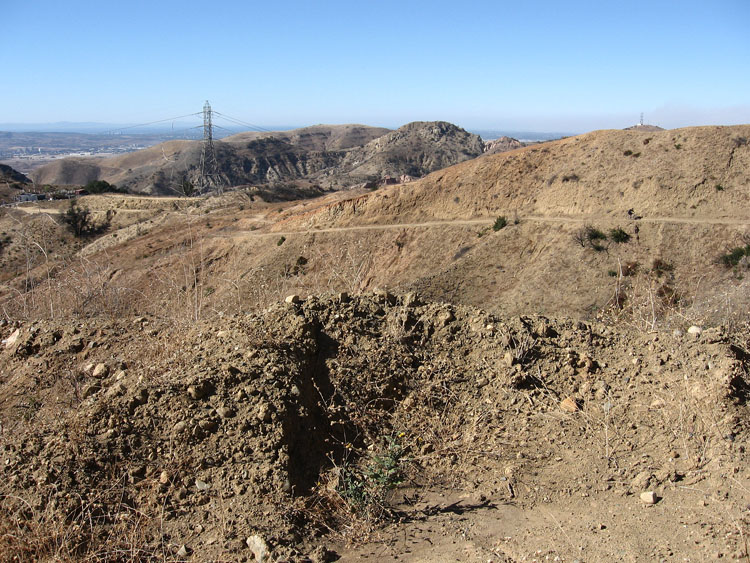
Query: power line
{"type": "Point", "coordinates": [240, 122]}
{"type": "Point", "coordinates": [112, 131]}
{"type": "Point", "coordinates": [210, 176]}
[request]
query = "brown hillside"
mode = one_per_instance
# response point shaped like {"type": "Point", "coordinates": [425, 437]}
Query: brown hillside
{"type": "Point", "coordinates": [435, 235]}
{"type": "Point", "coordinates": [331, 156]}
{"type": "Point", "coordinates": [694, 172]}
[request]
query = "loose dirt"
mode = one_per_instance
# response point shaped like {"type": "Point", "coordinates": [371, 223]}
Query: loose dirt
{"type": "Point", "coordinates": [510, 438]}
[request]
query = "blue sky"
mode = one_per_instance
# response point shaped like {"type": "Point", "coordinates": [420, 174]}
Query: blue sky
{"type": "Point", "coordinates": [544, 66]}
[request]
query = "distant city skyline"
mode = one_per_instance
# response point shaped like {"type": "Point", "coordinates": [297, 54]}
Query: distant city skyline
{"type": "Point", "coordinates": [536, 66]}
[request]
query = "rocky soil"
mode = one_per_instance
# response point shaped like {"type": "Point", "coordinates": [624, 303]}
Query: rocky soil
{"type": "Point", "coordinates": [372, 426]}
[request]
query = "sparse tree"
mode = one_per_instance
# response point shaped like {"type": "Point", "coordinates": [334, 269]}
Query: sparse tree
{"type": "Point", "coordinates": [78, 219]}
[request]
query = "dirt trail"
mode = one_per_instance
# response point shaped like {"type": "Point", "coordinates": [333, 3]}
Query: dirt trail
{"type": "Point", "coordinates": [488, 221]}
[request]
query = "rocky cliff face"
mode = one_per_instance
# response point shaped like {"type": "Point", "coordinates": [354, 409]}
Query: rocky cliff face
{"type": "Point", "coordinates": [332, 156]}
{"type": "Point", "coordinates": [503, 144]}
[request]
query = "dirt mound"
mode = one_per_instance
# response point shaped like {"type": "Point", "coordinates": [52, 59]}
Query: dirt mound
{"type": "Point", "coordinates": [309, 425]}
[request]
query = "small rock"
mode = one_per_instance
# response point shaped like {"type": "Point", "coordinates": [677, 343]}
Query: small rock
{"type": "Point", "coordinates": [569, 404]}
{"type": "Point", "coordinates": [508, 359]}
{"type": "Point", "coordinates": [264, 413]}
{"type": "Point", "coordinates": [100, 371]}
{"type": "Point", "coordinates": [182, 552]}
{"type": "Point", "coordinates": [444, 317]}
{"type": "Point", "coordinates": [180, 426]}
{"type": "Point", "coordinates": [222, 334]}
{"type": "Point", "coordinates": [208, 425]}
{"type": "Point", "coordinates": [201, 485]}
{"type": "Point", "coordinates": [481, 382]}
{"type": "Point", "coordinates": [677, 333]}
{"type": "Point", "coordinates": [117, 389]}
{"type": "Point", "coordinates": [200, 390]}
{"type": "Point", "coordinates": [225, 412]}
{"type": "Point", "coordinates": [649, 497]}
{"type": "Point", "coordinates": [695, 330]}
{"type": "Point", "coordinates": [259, 547]}
{"type": "Point", "coordinates": [164, 478]}
{"type": "Point", "coordinates": [12, 339]}
{"type": "Point", "coordinates": [292, 299]}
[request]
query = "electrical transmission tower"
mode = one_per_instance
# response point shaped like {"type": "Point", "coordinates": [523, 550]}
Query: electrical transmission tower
{"type": "Point", "coordinates": [640, 123]}
{"type": "Point", "coordinates": [210, 176]}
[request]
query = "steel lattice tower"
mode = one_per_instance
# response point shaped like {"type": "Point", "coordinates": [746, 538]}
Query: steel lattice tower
{"type": "Point", "coordinates": [210, 176]}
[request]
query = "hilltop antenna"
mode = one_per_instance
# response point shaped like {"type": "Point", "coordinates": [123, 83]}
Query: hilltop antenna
{"type": "Point", "coordinates": [640, 123]}
{"type": "Point", "coordinates": [210, 176]}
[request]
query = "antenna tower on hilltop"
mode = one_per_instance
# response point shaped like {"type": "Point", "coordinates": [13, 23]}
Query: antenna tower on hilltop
{"type": "Point", "coordinates": [210, 176]}
{"type": "Point", "coordinates": [640, 123]}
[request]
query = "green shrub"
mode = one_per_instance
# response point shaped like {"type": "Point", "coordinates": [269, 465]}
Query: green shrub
{"type": "Point", "coordinates": [733, 257]}
{"type": "Point", "coordinates": [618, 235]}
{"type": "Point", "coordinates": [588, 236]}
{"type": "Point", "coordinates": [365, 491]}
{"type": "Point", "coordinates": [500, 223]}
{"type": "Point", "coordinates": [593, 234]}
{"type": "Point", "coordinates": [79, 221]}
{"type": "Point", "coordinates": [280, 241]}
{"type": "Point", "coordinates": [102, 186]}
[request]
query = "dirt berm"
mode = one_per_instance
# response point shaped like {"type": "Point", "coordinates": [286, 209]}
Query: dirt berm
{"type": "Point", "coordinates": [371, 426]}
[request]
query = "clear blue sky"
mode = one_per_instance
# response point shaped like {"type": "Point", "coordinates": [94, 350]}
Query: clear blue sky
{"type": "Point", "coordinates": [520, 65]}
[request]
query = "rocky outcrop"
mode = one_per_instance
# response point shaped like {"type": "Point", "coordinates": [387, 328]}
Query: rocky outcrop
{"type": "Point", "coordinates": [503, 144]}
